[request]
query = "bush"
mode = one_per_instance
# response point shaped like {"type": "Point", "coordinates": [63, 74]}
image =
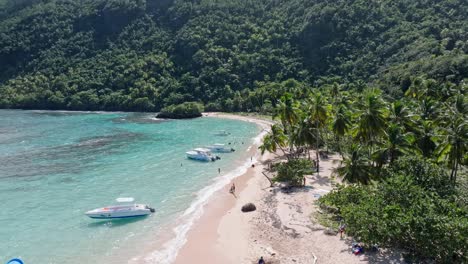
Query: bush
{"type": "Point", "coordinates": [293, 171]}
{"type": "Point", "coordinates": [411, 209]}
{"type": "Point", "coordinates": [184, 110]}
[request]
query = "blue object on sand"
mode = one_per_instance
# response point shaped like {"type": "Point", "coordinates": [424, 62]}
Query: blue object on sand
{"type": "Point", "coordinates": [316, 195]}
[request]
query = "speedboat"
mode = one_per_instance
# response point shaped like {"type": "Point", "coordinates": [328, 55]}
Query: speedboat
{"type": "Point", "coordinates": [202, 154]}
{"type": "Point", "coordinates": [125, 209]}
{"type": "Point", "coordinates": [220, 148]}
{"type": "Point", "coordinates": [222, 133]}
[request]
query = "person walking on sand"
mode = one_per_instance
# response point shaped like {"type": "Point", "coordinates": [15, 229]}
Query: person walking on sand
{"type": "Point", "coordinates": [233, 189]}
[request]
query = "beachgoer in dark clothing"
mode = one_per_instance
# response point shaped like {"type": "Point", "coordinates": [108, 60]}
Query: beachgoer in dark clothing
{"type": "Point", "coordinates": [233, 189]}
{"type": "Point", "coordinates": [261, 261]}
{"type": "Point", "coordinates": [342, 229]}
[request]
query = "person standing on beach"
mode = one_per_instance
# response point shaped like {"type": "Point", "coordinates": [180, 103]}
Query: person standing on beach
{"type": "Point", "coordinates": [342, 229]}
{"type": "Point", "coordinates": [219, 170]}
{"type": "Point", "coordinates": [233, 189]}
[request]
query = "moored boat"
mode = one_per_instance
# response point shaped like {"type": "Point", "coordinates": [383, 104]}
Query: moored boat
{"type": "Point", "coordinates": [220, 148]}
{"type": "Point", "coordinates": [222, 133]}
{"type": "Point", "coordinates": [125, 209]}
{"type": "Point", "coordinates": [202, 154]}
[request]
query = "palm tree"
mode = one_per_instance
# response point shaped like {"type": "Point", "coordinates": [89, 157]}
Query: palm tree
{"type": "Point", "coordinates": [355, 167]}
{"type": "Point", "coordinates": [418, 89]}
{"type": "Point", "coordinates": [397, 143]}
{"type": "Point", "coordinates": [428, 109]}
{"type": "Point", "coordinates": [341, 124]}
{"type": "Point", "coordinates": [401, 115]}
{"type": "Point", "coordinates": [454, 145]}
{"type": "Point", "coordinates": [287, 111]}
{"type": "Point", "coordinates": [317, 111]}
{"type": "Point", "coordinates": [335, 92]}
{"type": "Point", "coordinates": [273, 140]}
{"type": "Point", "coordinates": [425, 138]}
{"type": "Point", "coordinates": [454, 126]}
{"type": "Point", "coordinates": [372, 117]}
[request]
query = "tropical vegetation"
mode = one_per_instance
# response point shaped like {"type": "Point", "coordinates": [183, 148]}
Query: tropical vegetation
{"type": "Point", "coordinates": [183, 110]}
{"type": "Point", "coordinates": [403, 162]}
{"type": "Point", "coordinates": [381, 83]}
{"type": "Point", "coordinates": [230, 55]}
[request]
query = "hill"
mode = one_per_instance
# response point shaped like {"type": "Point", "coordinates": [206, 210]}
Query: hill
{"type": "Point", "coordinates": [143, 55]}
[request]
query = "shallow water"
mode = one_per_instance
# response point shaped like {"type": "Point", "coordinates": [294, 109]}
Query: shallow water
{"type": "Point", "coordinates": [54, 166]}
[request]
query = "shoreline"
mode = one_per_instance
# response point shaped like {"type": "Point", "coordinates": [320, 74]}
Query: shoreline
{"type": "Point", "coordinates": [283, 229]}
{"type": "Point", "coordinates": [167, 250]}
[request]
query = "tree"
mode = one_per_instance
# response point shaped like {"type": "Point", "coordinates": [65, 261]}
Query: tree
{"type": "Point", "coordinates": [396, 143]}
{"type": "Point", "coordinates": [273, 140]}
{"type": "Point", "coordinates": [425, 138]}
{"type": "Point", "coordinates": [341, 124]}
{"type": "Point", "coordinates": [317, 116]}
{"type": "Point", "coordinates": [454, 132]}
{"type": "Point", "coordinates": [287, 111]}
{"type": "Point", "coordinates": [372, 116]}
{"type": "Point", "coordinates": [355, 167]}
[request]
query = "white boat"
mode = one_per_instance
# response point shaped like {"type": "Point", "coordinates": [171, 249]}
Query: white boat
{"type": "Point", "coordinates": [222, 133]}
{"type": "Point", "coordinates": [202, 154]}
{"type": "Point", "coordinates": [220, 148]}
{"type": "Point", "coordinates": [125, 209]}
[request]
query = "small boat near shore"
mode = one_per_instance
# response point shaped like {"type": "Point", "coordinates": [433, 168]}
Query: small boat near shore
{"type": "Point", "coordinates": [220, 148]}
{"type": "Point", "coordinates": [125, 209]}
{"type": "Point", "coordinates": [203, 154]}
{"type": "Point", "coordinates": [222, 133]}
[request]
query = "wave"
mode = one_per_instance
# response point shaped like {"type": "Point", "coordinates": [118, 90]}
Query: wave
{"type": "Point", "coordinates": [171, 248]}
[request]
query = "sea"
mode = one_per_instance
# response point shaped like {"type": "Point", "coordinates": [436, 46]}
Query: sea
{"type": "Point", "coordinates": [56, 165]}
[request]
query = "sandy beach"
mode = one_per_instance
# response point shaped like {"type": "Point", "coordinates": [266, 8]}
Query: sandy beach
{"type": "Point", "coordinates": [283, 229]}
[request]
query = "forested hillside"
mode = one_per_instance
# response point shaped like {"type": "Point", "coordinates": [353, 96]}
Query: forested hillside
{"type": "Point", "coordinates": [233, 55]}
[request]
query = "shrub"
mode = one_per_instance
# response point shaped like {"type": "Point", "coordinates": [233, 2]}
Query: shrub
{"type": "Point", "coordinates": [184, 110]}
{"type": "Point", "coordinates": [410, 209]}
{"type": "Point", "coordinates": [293, 171]}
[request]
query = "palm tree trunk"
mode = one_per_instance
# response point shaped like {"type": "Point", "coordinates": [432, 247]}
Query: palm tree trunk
{"type": "Point", "coordinates": [318, 160]}
{"type": "Point", "coordinates": [453, 174]}
{"type": "Point", "coordinates": [456, 170]}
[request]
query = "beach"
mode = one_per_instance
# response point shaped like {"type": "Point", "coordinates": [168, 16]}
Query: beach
{"type": "Point", "coordinates": [282, 229]}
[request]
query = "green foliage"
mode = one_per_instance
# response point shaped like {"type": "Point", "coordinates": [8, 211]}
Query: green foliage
{"type": "Point", "coordinates": [400, 162]}
{"type": "Point", "coordinates": [293, 171]}
{"type": "Point", "coordinates": [231, 55]}
{"type": "Point", "coordinates": [412, 209]}
{"type": "Point", "coordinates": [184, 110]}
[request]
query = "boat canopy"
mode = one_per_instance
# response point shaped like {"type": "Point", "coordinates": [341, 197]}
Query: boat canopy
{"type": "Point", "coordinates": [218, 145]}
{"type": "Point", "coordinates": [125, 200]}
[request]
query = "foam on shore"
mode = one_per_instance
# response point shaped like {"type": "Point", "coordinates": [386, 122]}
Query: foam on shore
{"type": "Point", "coordinates": [170, 249]}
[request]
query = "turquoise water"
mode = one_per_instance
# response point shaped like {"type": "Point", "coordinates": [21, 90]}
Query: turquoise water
{"type": "Point", "coordinates": [54, 166]}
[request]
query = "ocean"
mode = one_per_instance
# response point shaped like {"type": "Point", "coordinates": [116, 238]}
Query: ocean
{"type": "Point", "coordinates": [56, 165]}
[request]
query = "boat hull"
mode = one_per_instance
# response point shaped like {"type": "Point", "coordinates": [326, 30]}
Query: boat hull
{"type": "Point", "coordinates": [115, 212]}
{"type": "Point", "coordinates": [201, 156]}
{"type": "Point", "coordinates": [115, 217]}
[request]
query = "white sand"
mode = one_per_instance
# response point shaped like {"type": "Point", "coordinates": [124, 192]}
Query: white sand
{"type": "Point", "coordinates": [282, 229]}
